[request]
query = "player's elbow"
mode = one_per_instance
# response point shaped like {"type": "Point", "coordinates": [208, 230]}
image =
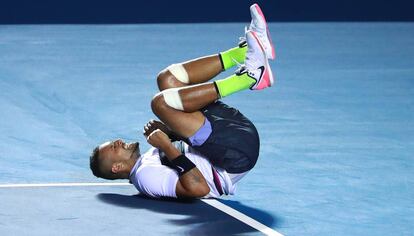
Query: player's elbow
{"type": "Point", "coordinates": [197, 191]}
{"type": "Point", "coordinates": [200, 191]}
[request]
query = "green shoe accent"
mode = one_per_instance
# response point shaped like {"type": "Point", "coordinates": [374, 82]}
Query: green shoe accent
{"type": "Point", "coordinates": [233, 56]}
{"type": "Point", "coordinates": [233, 84]}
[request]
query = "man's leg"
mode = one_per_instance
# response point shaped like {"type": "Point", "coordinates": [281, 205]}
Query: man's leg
{"type": "Point", "coordinates": [188, 74]}
{"type": "Point", "coordinates": [178, 107]}
{"type": "Point", "coordinates": [201, 69]}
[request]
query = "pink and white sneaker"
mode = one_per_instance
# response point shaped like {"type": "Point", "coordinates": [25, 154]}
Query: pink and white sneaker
{"type": "Point", "coordinates": [256, 63]}
{"type": "Point", "coordinates": [259, 26]}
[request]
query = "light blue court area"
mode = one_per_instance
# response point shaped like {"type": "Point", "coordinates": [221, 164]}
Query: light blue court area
{"type": "Point", "coordinates": [337, 130]}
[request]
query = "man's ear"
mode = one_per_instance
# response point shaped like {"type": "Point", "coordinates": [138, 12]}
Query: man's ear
{"type": "Point", "coordinates": [116, 167]}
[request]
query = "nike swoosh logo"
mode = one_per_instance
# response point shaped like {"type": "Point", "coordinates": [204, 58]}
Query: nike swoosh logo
{"type": "Point", "coordinates": [180, 168]}
{"type": "Point", "coordinates": [262, 69]}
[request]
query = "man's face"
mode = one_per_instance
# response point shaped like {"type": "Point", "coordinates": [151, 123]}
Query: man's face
{"type": "Point", "coordinates": [114, 152]}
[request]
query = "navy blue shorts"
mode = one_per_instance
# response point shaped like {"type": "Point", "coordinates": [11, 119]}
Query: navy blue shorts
{"type": "Point", "coordinates": [233, 143]}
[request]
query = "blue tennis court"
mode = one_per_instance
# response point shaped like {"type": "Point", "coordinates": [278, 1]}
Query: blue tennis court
{"type": "Point", "coordinates": [337, 130]}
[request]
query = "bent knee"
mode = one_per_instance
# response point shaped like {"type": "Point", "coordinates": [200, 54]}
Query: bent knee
{"type": "Point", "coordinates": [158, 103]}
{"type": "Point", "coordinates": [165, 79]}
{"type": "Point", "coordinates": [172, 77]}
{"type": "Point", "coordinates": [167, 99]}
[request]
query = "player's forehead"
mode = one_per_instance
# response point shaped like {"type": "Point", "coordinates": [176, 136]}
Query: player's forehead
{"type": "Point", "coordinates": [105, 146]}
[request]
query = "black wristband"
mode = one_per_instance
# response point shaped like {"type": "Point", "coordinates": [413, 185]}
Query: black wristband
{"type": "Point", "coordinates": [182, 164]}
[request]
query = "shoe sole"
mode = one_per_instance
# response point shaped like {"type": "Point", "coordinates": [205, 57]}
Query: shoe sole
{"type": "Point", "coordinates": [267, 66]}
{"type": "Point", "coordinates": [273, 56]}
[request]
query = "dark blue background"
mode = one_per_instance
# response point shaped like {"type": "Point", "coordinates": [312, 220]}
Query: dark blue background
{"type": "Point", "coordinates": [134, 11]}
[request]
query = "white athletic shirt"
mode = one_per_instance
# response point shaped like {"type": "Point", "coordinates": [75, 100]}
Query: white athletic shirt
{"type": "Point", "coordinates": [154, 179]}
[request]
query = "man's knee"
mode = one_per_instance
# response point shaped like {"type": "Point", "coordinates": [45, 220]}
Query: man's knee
{"type": "Point", "coordinates": [167, 99]}
{"type": "Point", "coordinates": [165, 80]}
{"type": "Point", "coordinates": [158, 104]}
{"type": "Point", "coordinates": [173, 76]}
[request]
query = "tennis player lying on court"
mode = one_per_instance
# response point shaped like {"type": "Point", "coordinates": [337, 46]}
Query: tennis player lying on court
{"type": "Point", "coordinates": [202, 147]}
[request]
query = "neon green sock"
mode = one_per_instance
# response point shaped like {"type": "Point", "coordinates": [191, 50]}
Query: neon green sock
{"type": "Point", "coordinates": [237, 53]}
{"type": "Point", "coordinates": [233, 83]}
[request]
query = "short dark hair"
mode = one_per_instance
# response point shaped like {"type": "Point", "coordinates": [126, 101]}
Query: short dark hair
{"type": "Point", "coordinates": [94, 163]}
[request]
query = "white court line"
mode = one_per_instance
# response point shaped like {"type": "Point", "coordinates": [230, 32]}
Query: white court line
{"type": "Point", "coordinates": [242, 217]}
{"type": "Point", "coordinates": [60, 185]}
{"type": "Point", "coordinates": [212, 202]}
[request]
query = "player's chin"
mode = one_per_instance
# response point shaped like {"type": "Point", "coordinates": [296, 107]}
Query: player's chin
{"type": "Point", "coordinates": [134, 147]}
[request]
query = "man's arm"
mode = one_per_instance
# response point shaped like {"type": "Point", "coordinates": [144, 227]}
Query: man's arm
{"type": "Point", "coordinates": [191, 184]}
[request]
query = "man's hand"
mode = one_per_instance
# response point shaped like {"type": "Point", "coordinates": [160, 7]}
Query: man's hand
{"type": "Point", "coordinates": [158, 139]}
{"type": "Point", "coordinates": [152, 125]}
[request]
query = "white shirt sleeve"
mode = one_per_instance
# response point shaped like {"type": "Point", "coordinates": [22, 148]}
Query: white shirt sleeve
{"type": "Point", "coordinates": [156, 180]}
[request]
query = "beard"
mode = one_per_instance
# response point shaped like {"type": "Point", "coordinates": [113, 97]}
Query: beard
{"type": "Point", "coordinates": [134, 147]}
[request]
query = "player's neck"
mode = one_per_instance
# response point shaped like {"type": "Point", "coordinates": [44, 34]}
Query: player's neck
{"type": "Point", "coordinates": [131, 162]}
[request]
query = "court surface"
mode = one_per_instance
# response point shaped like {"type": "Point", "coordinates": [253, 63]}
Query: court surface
{"type": "Point", "coordinates": [337, 130]}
